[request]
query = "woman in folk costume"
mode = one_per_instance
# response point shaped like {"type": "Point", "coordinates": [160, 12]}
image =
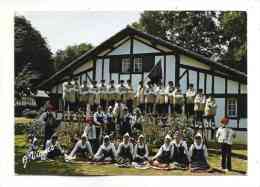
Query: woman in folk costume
{"type": "Point", "coordinates": [210, 111]}
{"type": "Point", "coordinates": [180, 151]}
{"type": "Point", "coordinates": [164, 155]}
{"type": "Point", "coordinates": [66, 86]}
{"type": "Point", "coordinates": [190, 96]}
{"type": "Point", "coordinates": [198, 154]}
{"type": "Point", "coordinates": [84, 92]}
{"type": "Point", "coordinates": [125, 151]}
{"type": "Point", "coordinates": [123, 91]}
{"type": "Point", "coordinates": [94, 99]}
{"type": "Point", "coordinates": [130, 96]}
{"type": "Point", "coordinates": [170, 94]}
{"type": "Point", "coordinates": [199, 105]}
{"type": "Point", "coordinates": [178, 100]}
{"type": "Point", "coordinates": [126, 122]}
{"type": "Point", "coordinates": [81, 149]}
{"type": "Point", "coordinates": [106, 152]}
{"type": "Point", "coordinates": [103, 94]}
{"type": "Point", "coordinates": [53, 148]}
{"type": "Point", "coordinates": [140, 96]}
{"type": "Point", "coordinates": [110, 122]}
{"type": "Point", "coordinates": [149, 97]}
{"type": "Point", "coordinates": [141, 151]}
{"type": "Point", "coordinates": [160, 99]}
{"type": "Point", "coordinates": [225, 137]}
{"type": "Point", "coordinates": [112, 93]}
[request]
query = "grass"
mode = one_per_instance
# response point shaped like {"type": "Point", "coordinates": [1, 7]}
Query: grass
{"type": "Point", "coordinates": [59, 167]}
{"type": "Point", "coordinates": [22, 120]}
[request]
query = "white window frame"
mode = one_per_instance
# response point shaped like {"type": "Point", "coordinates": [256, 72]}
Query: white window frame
{"type": "Point", "coordinates": [138, 64]}
{"type": "Point", "coordinates": [232, 107]}
{"type": "Point", "coordinates": [126, 66]}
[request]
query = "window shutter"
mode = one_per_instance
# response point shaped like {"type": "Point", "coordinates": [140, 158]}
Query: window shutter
{"type": "Point", "coordinates": [243, 106]}
{"type": "Point", "coordinates": [148, 63]}
{"type": "Point", "coordinates": [115, 64]}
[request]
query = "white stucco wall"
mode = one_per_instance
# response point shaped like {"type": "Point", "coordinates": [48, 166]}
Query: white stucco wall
{"type": "Point", "coordinates": [193, 78]}
{"type": "Point", "coordinates": [170, 68]}
{"type": "Point", "coordinates": [232, 87]}
{"type": "Point", "coordinates": [219, 85]}
{"type": "Point", "coordinates": [106, 70]}
{"type": "Point", "coordinates": [98, 70]}
{"type": "Point", "coordinates": [142, 48]}
{"type": "Point", "coordinates": [209, 83]}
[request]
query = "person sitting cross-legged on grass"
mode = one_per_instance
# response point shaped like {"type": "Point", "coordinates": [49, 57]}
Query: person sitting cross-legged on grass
{"type": "Point", "coordinates": [33, 151]}
{"type": "Point", "coordinates": [125, 151]}
{"type": "Point", "coordinates": [164, 156]}
{"type": "Point", "coordinates": [141, 151]}
{"type": "Point", "coordinates": [106, 152]}
{"type": "Point", "coordinates": [81, 149]}
{"type": "Point", "coordinates": [180, 151]}
{"type": "Point", "coordinates": [53, 148]}
{"type": "Point", "coordinates": [198, 154]}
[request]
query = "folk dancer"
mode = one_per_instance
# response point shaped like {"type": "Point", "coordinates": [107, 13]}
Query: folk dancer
{"type": "Point", "coordinates": [112, 93]}
{"type": "Point", "coordinates": [210, 113]}
{"type": "Point", "coordinates": [122, 91]}
{"type": "Point", "coordinates": [106, 152]}
{"type": "Point", "coordinates": [149, 97]}
{"type": "Point", "coordinates": [141, 152]}
{"type": "Point", "coordinates": [129, 96]}
{"type": "Point", "coordinates": [126, 122]}
{"type": "Point", "coordinates": [160, 99]}
{"type": "Point", "coordinates": [90, 132]}
{"type": "Point", "coordinates": [140, 96]}
{"type": "Point", "coordinates": [66, 88]}
{"type": "Point", "coordinates": [103, 94]}
{"type": "Point", "coordinates": [170, 94]}
{"type": "Point", "coordinates": [199, 106]}
{"type": "Point", "coordinates": [125, 151]}
{"type": "Point", "coordinates": [180, 151]}
{"type": "Point", "coordinates": [164, 156]}
{"type": "Point", "coordinates": [137, 122]}
{"type": "Point", "coordinates": [84, 95]}
{"type": "Point", "coordinates": [94, 98]}
{"type": "Point", "coordinates": [225, 137]}
{"type": "Point", "coordinates": [178, 100]}
{"type": "Point", "coordinates": [99, 120]}
{"type": "Point", "coordinates": [110, 122]}
{"type": "Point", "coordinates": [198, 154]}
{"type": "Point", "coordinates": [190, 96]}
{"type": "Point", "coordinates": [81, 149]}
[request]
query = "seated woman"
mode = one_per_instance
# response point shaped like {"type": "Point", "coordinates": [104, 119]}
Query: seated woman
{"type": "Point", "coordinates": [53, 148]}
{"type": "Point", "coordinates": [141, 151]}
{"type": "Point", "coordinates": [164, 156]}
{"type": "Point", "coordinates": [82, 149]}
{"type": "Point", "coordinates": [125, 151]}
{"type": "Point", "coordinates": [198, 154]}
{"type": "Point", "coordinates": [106, 152]}
{"type": "Point", "coordinates": [180, 151]}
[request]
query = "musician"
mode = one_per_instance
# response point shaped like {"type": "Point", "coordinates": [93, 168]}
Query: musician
{"type": "Point", "coordinates": [140, 96]}
{"type": "Point", "coordinates": [129, 96]}
{"type": "Point", "coordinates": [199, 105]}
{"type": "Point", "coordinates": [170, 94]}
{"type": "Point", "coordinates": [112, 93]}
{"type": "Point", "coordinates": [103, 94]}
{"type": "Point", "coordinates": [178, 99]}
{"type": "Point", "coordinates": [149, 97]}
{"type": "Point", "coordinates": [190, 96]}
{"type": "Point", "coordinates": [84, 93]}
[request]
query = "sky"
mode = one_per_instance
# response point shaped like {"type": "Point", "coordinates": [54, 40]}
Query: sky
{"type": "Point", "coordinates": [68, 28]}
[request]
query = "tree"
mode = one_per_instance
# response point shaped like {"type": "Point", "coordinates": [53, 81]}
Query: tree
{"type": "Point", "coordinates": [62, 57]}
{"type": "Point", "coordinates": [31, 47]}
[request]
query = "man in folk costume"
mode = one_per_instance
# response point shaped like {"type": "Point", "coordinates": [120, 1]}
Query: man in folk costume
{"type": "Point", "coordinates": [94, 99]}
{"type": "Point", "coordinates": [149, 97]}
{"type": "Point", "coordinates": [90, 132]}
{"type": "Point", "coordinates": [84, 93]}
{"type": "Point", "coordinates": [225, 137]}
{"type": "Point", "coordinates": [180, 151]}
{"type": "Point", "coordinates": [141, 152]}
{"type": "Point", "coordinates": [81, 149]}
{"type": "Point", "coordinates": [199, 106]}
{"type": "Point", "coordinates": [103, 94]}
{"type": "Point", "coordinates": [190, 96]}
{"type": "Point", "coordinates": [122, 91]}
{"type": "Point", "coordinates": [125, 151]}
{"type": "Point", "coordinates": [160, 98]}
{"type": "Point", "coordinates": [110, 122]}
{"type": "Point", "coordinates": [178, 100]}
{"type": "Point", "coordinates": [99, 120]}
{"type": "Point", "coordinates": [140, 96]}
{"type": "Point", "coordinates": [164, 156]}
{"type": "Point", "coordinates": [198, 154]}
{"type": "Point", "coordinates": [170, 94]}
{"type": "Point", "coordinates": [106, 152]}
{"type": "Point", "coordinates": [130, 96]}
{"type": "Point", "coordinates": [126, 122]}
{"type": "Point", "coordinates": [112, 93]}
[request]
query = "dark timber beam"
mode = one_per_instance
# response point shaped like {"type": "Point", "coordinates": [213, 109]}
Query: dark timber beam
{"type": "Point", "coordinates": [177, 68]}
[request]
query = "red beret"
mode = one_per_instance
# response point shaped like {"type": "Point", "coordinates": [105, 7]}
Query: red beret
{"type": "Point", "coordinates": [224, 120]}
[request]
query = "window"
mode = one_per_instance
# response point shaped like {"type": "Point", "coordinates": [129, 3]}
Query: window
{"type": "Point", "coordinates": [126, 65]}
{"type": "Point", "coordinates": [232, 107]}
{"type": "Point", "coordinates": [138, 65]}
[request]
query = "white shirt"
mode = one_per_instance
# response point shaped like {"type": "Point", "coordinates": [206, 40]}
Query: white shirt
{"type": "Point", "coordinates": [225, 135]}
{"type": "Point", "coordinates": [164, 147]}
{"type": "Point", "coordinates": [82, 146]}
{"type": "Point", "coordinates": [110, 146]}
{"type": "Point", "coordinates": [181, 143]}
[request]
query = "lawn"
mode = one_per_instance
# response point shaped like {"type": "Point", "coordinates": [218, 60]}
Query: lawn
{"type": "Point", "coordinates": [59, 167]}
